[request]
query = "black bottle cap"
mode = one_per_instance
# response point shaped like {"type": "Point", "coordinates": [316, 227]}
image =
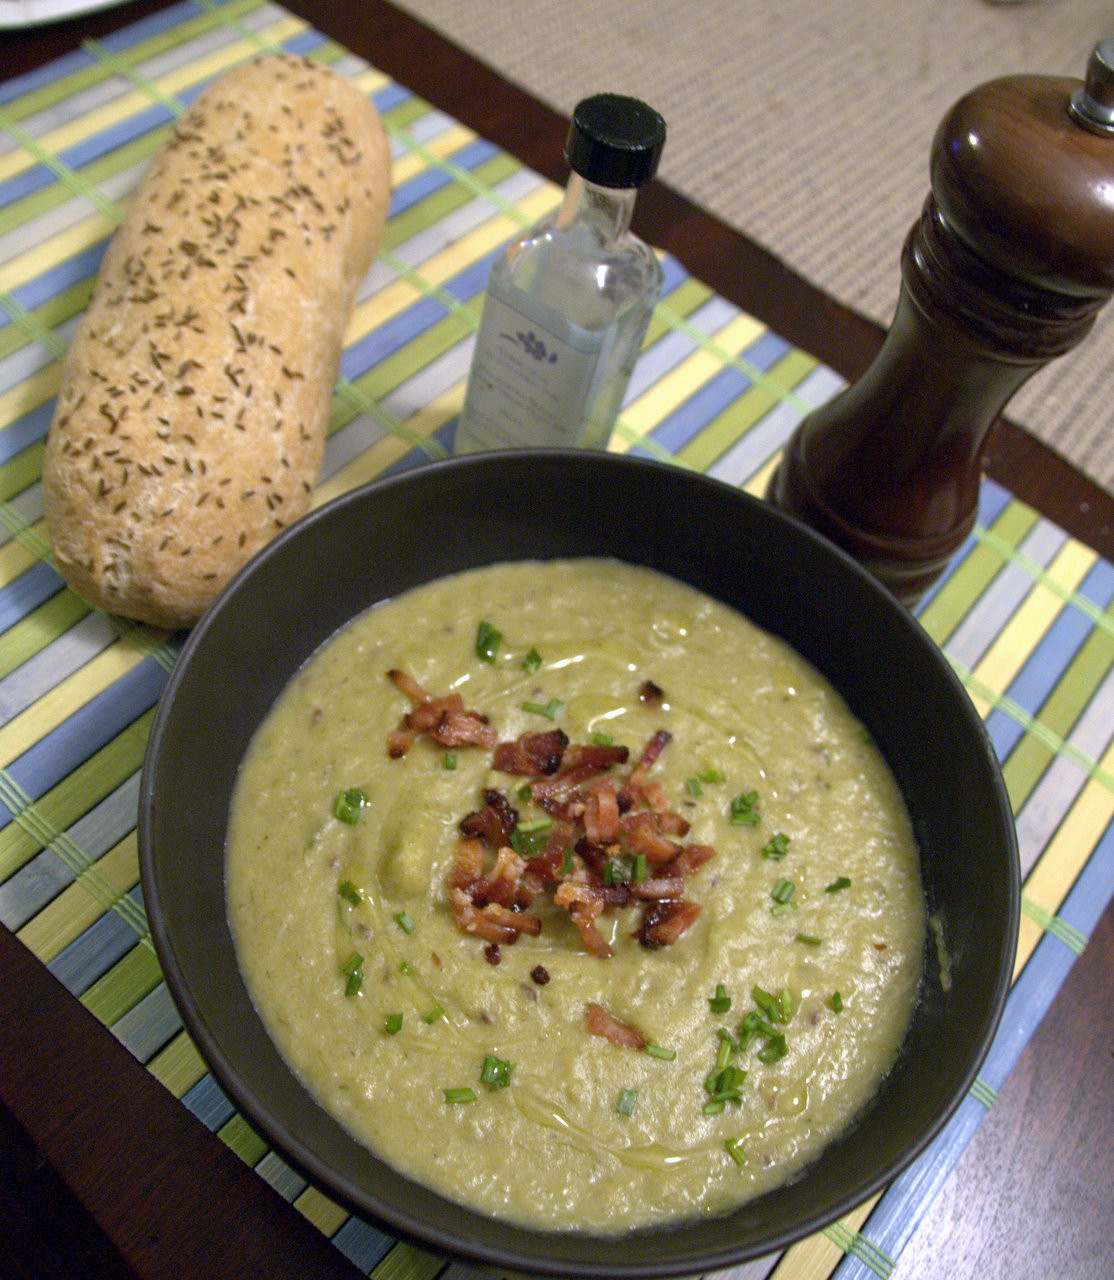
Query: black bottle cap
{"type": "Point", "coordinates": [615, 141]}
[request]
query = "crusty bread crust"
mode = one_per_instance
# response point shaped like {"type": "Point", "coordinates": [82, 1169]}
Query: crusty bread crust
{"type": "Point", "coordinates": [191, 419]}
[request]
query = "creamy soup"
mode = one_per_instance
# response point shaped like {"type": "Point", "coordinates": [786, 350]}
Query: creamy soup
{"type": "Point", "coordinates": [670, 954]}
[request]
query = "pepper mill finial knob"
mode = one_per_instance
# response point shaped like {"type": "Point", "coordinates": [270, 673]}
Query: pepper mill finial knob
{"type": "Point", "coordinates": [1007, 268]}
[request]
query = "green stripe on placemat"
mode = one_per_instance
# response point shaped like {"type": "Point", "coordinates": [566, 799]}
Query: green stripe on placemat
{"type": "Point", "coordinates": [984, 1093]}
{"type": "Point", "coordinates": [1059, 928]}
{"type": "Point", "coordinates": [860, 1247]}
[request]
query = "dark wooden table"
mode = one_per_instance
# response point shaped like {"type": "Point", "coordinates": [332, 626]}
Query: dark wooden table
{"type": "Point", "coordinates": [104, 1173]}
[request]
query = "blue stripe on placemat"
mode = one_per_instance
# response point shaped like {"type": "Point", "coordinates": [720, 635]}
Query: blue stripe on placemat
{"type": "Point", "coordinates": [78, 965]}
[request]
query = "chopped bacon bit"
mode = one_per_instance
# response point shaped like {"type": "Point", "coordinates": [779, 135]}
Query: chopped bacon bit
{"type": "Point", "coordinates": [584, 901]}
{"type": "Point", "coordinates": [540, 974]}
{"type": "Point", "coordinates": [492, 954]}
{"type": "Point", "coordinates": [641, 835]}
{"type": "Point", "coordinates": [650, 753]}
{"type": "Point", "coordinates": [601, 812]}
{"type": "Point", "coordinates": [691, 857]}
{"type": "Point", "coordinates": [601, 1023]}
{"type": "Point", "coordinates": [494, 822]}
{"type": "Point", "coordinates": [533, 755]}
{"type": "Point", "coordinates": [491, 922]}
{"type": "Point", "coordinates": [650, 694]}
{"type": "Point", "coordinates": [444, 719]}
{"type": "Point", "coordinates": [664, 922]}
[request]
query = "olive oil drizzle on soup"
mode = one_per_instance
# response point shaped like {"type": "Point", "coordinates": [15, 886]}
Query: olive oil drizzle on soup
{"type": "Point", "coordinates": [761, 1030]}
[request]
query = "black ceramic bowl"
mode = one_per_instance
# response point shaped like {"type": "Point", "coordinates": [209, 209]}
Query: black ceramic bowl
{"type": "Point", "coordinates": [445, 517]}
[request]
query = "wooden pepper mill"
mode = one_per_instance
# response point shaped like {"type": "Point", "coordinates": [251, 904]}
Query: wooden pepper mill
{"type": "Point", "coordinates": [1008, 267]}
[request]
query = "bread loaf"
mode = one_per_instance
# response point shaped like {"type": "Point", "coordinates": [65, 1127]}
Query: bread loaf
{"type": "Point", "coordinates": [190, 423]}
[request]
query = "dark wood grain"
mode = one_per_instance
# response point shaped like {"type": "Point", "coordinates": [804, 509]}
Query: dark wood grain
{"type": "Point", "coordinates": [104, 1173]}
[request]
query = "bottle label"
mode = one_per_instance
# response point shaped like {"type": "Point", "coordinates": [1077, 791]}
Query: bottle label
{"type": "Point", "coordinates": [532, 377]}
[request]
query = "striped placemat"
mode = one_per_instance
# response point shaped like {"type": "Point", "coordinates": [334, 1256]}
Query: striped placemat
{"type": "Point", "coordinates": [1025, 613]}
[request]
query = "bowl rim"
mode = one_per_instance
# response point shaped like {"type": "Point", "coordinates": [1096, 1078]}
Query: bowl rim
{"type": "Point", "coordinates": [431, 1234]}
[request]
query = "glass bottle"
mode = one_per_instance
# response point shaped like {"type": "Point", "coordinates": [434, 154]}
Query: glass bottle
{"type": "Point", "coordinates": [568, 303]}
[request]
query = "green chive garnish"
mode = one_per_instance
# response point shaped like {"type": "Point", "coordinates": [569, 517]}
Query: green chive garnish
{"type": "Point", "coordinates": [432, 1016]}
{"type": "Point", "coordinates": [744, 810]}
{"type": "Point", "coordinates": [348, 891]}
{"type": "Point", "coordinates": [782, 891]}
{"type": "Point", "coordinates": [734, 1148]}
{"type": "Point", "coordinates": [405, 967]}
{"type": "Point", "coordinates": [656, 1051]}
{"type": "Point", "coordinates": [531, 662]}
{"type": "Point", "coordinates": [693, 787]}
{"type": "Point", "coordinates": [773, 1050]}
{"type": "Point", "coordinates": [349, 803]}
{"type": "Point", "coordinates": [809, 939]}
{"type": "Point", "coordinates": [551, 710]}
{"type": "Point", "coordinates": [836, 1002]}
{"type": "Point", "coordinates": [711, 775]}
{"type": "Point", "coordinates": [393, 1025]}
{"type": "Point", "coordinates": [721, 1001]}
{"type": "Point", "coordinates": [776, 847]}
{"type": "Point", "coordinates": [602, 739]}
{"type": "Point", "coordinates": [627, 1099]}
{"type": "Point", "coordinates": [404, 922]}
{"type": "Point", "coordinates": [449, 760]}
{"type": "Point", "coordinates": [838, 884]}
{"type": "Point", "coordinates": [488, 641]}
{"type": "Point", "coordinates": [496, 1072]}
{"type": "Point", "coordinates": [454, 1096]}
{"type": "Point", "coordinates": [353, 972]}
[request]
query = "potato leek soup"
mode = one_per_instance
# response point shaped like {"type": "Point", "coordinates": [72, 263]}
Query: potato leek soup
{"type": "Point", "coordinates": [575, 896]}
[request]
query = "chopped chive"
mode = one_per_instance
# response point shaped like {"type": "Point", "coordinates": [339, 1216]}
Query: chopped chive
{"type": "Point", "coordinates": [744, 810]}
{"type": "Point", "coordinates": [809, 939]}
{"type": "Point", "coordinates": [711, 775]}
{"type": "Point", "coordinates": [838, 884]}
{"type": "Point", "coordinates": [449, 760]}
{"type": "Point", "coordinates": [524, 794]}
{"type": "Point", "coordinates": [393, 1024]}
{"type": "Point", "coordinates": [782, 891]}
{"type": "Point", "coordinates": [602, 739]}
{"type": "Point", "coordinates": [432, 1016]}
{"type": "Point", "coordinates": [454, 1096]}
{"type": "Point", "coordinates": [488, 641]}
{"type": "Point", "coordinates": [639, 868]}
{"type": "Point", "coordinates": [721, 1001]}
{"type": "Point", "coordinates": [496, 1072]}
{"type": "Point", "coordinates": [566, 861]}
{"type": "Point", "coordinates": [728, 1039]}
{"type": "Point", "coordinates": [531, 662]}
{"type": "Point", "coordinates": [723, 1053]}
{"type": "Point", "coordinates": [836, 1002]}
{"type": "Point", "coordinates": [404, 922]}
{"type": "Point", "coordinates": [725, 1085]}
{"type": "Point", "coordinates": [656, 1051]}
{"type": "Point", "coordinates": [353, 972]}
{"type": "Point", "coordinates": [734, 1148]}
{"type": "Point", "coordinates": [782, 908]}
{"type": "Point", "coordinates": [405, 967]}
{"type": "Point", "coordinates": [551, 710]}
{"type": "Point", "coordinates": [693, 787]}
{"type": "Point", "coordinates": [773, 1050]}
{"type": "Point", "coordinates": [615, 871]}
{"type": "Point", "coordinates": [787, 1004]}
{"type": "Point", "coordinates": [627, 1099]}
{"type": "Point", "coordinates": [348, 891]}
{"type": "Point", "coordinates": [776, 847]}
{"type": "Point", "coordinates": [713, 1106]}
{"type": "Point", "coordinates": [535, 825]}
{"type": "Point", "coordinates": [349, 803]}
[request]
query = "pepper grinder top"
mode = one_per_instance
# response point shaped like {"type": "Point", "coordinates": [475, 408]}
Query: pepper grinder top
{"type": "Point", "coordinates": [1008, 267]}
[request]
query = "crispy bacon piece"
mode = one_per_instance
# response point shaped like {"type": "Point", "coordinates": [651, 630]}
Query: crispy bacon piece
{"type": "Point", "coordinates": [494, 822]}
{"type": "Point", "coordinates": [664, 922]}
{"type": "Point", "coordinates": [651, 695]}
{"type": "Point", "coordinates": [601, 812]}
{"type": "Point", "coordinates": [584, 902]}
{"type": "Point", "coordinates": [446, 720]}
{"type": "Point", "coordinates": [601, 1023]}
{"type": "Point", "coordinates": [641, 835]}
{"type": "Point", "coordinates": [650, 753]}
{"type": "Point", "coordinates": [532, 755]}
{"type": "Point", "coordinates": [491, 922]}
